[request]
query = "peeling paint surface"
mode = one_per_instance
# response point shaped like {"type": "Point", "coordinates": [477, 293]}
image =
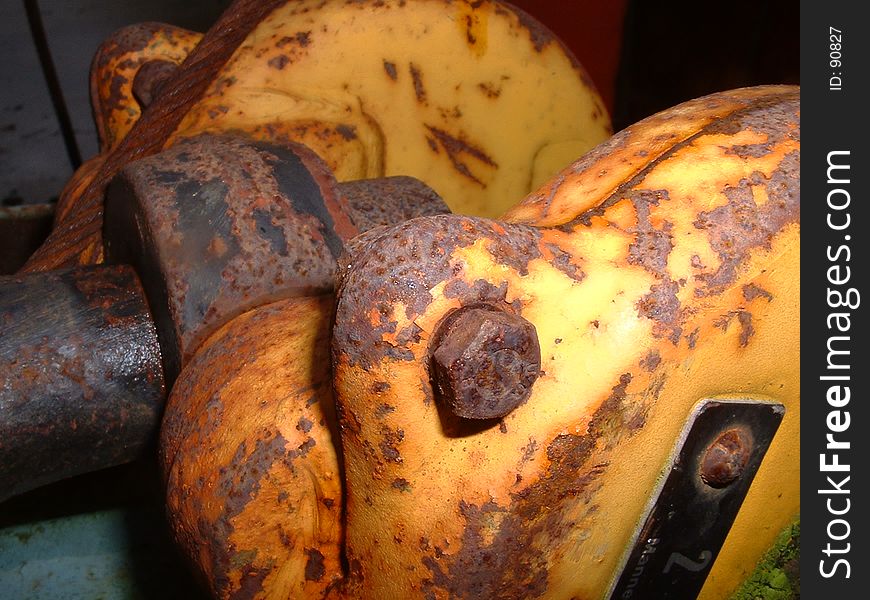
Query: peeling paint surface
{"type": "Point", "coordinates": [652, 279]}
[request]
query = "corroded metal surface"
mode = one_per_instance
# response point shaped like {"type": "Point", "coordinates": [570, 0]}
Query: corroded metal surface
{"type": "Point", "coordinates": [661, 267]}
{"type": "Point", "coordinates": [116, 65]}
{"type": "Point", "coordinates": [726, 458]}
{"type": "Point", "coordinates": [78, 239]}
{"type": "Point", "coordinates": [687, 521]}
{"type": "Point", "coordinates": [446, 102]}
{"type": "Point", "coordinates": [484, 362]}
{"type": "Point", "coordinates": [81, 386]}
{"type": "Point", "coordinates": [383, 201]}
{"type": "Point", "coordinates": [217, 225]}
{"type": "Point", "coordinates": [251, 455]}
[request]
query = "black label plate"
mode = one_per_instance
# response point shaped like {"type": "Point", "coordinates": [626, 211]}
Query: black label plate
{"type": "Point", "coordinates": [711, 469]}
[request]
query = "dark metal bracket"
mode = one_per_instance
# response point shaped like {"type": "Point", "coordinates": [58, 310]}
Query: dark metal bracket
{"type": "Point", "coordinates": [698, 497]}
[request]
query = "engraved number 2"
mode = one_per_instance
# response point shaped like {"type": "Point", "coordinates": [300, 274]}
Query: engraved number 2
{"type": "Point", "coordinates": [687, 563]}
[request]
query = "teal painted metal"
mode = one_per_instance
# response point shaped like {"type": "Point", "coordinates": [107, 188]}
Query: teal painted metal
{"type": "Point", "coordinates": [83, 556]}
{"type": "Point", "coordinates": [102, 536]}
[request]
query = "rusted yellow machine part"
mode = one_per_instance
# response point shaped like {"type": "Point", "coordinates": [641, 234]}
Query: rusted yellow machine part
{"type": "Point", "coordinates": [658, 270]}
{"type": "Point", "coordinates": [348, 446]}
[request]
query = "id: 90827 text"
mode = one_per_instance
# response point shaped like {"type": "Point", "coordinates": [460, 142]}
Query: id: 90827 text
{"type": "Point", "coordinates": [835, 59]}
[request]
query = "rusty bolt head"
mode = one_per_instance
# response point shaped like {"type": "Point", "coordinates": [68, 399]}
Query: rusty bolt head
{"type": "Point", "coordinates": [726, 458]}
{"type": "Point", "coordinates": [485, 362]}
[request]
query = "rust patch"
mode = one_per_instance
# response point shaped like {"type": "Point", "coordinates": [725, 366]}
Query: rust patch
{"type": "Point", "coordinates": [81, 386]}
{"type": "Point", "coordinates": [692, 338]}
{"type": "Point", "coordinates": [651, 247]}
{"type": "Point", "coordinates": [251, 583]}
{"type": "Point", "coordinates": [371, 203]}
{"type": "Point", "coordinates": [740, 226]}
{"type": "Point", "coordinates": [489, 90]}
{"type": "Point", "coordinates": [400, 265]}
{"type": "Point", "coordinates": [563, 262]}
{"type": "Point", "coordinates": [610, 418]}
{"type": "Point", "coordinates": [744, 319]}
{"type": "Point", "coordinates": [751, 291]}
{"type": "Point", "coordinates": [777, 121]}
{"type": "Point", "coordinates": [389, 444]}
{"type": "Point", "coordinates": [266, 225]}
{"type": "Point", "coordinates": [116, 89]}
{"type": "Point", "coordinates": [662, 305]}
{"type": "Point", "coordinates": [301, 451]}
{"type": "Point", "coordinates": [314, 567]}
{"type": "Point", "coordinates": [403, 485]}
{"type": "Point", "coordinates": [149, 79]}
{"type": "Point", "coordinates": [302, 39]}
{"type": "Point", "coordinates": [514, 563]}
{"type": "Point", "coordinates": [409, 335]}
{"type": "Point", "coordinates": [239, 482]}
{"type": "Point", "coordinates": [279, 62]}
{"type": "Point", "coordinates": [123, 52]}
{"type": "Point", "coordinates": [450, 113]}
{"type": "Point", "coordinates": [456, 148]}
{"type": "Point", "coordinates": [529, 451]}
{"type": "Point", "coordinates": [753, 115]}
{"type": "Point", "coordinates": [348, 132]}
{"type": "Point", "coordinates": [746, 329]}
{"type": "Point", "coordinates": [379, 387]}
{"type": "Point", "coordinates": [726, 458]}
{"type": "Point", "coordinates": [417, 79]}
{"type": "Point", "coordinates": [651, 361]}
{"type": "Point", "coordinates": [484, 362]}
{"type": "Point", "coordinates": [479, 292]}
{"type": "Point", "coordinates": [390, 69]}
{"type": "Point", "coordinates": [538, 33]}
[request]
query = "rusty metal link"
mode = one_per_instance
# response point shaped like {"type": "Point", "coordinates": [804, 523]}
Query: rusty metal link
{"type": "Point", "coordinates": [217, 225]}
{"type": "Point", "coordinates": [213, 226]}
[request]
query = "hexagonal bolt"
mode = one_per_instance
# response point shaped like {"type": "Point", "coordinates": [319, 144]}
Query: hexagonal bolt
{"type": "Point", "coordinates": [725, 459]}
{"type": "Point", "coordinates": [484, 362]}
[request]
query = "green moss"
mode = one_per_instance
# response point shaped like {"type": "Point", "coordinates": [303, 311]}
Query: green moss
{"type": "Point", "coordinates": [777, 575]}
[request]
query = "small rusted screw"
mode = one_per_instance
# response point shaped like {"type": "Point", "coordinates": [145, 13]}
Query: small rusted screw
{"type": "Point", "coordinates": [148, 79]}
{"type": "Point", "coordinates": [484, 362]}
{"type": "Point", "coordinates": [726, 458]}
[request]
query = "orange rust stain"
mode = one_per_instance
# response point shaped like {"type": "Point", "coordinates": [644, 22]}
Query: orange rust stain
{"type": "Point", "coordinates": [472, 21]}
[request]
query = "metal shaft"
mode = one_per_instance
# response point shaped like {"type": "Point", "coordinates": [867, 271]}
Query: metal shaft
{"type": "Point", "coordinates": [81, 386]}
